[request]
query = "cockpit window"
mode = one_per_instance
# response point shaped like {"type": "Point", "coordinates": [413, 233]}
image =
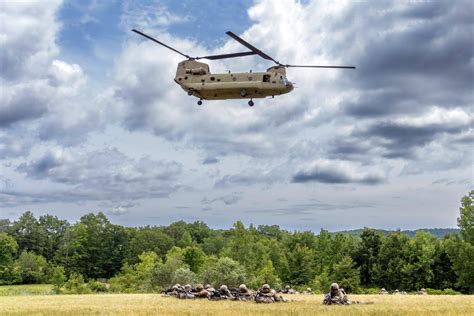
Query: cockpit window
{"type": "Point", "coordinates": [266, 78]}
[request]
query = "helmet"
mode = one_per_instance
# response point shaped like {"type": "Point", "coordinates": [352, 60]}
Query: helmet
{"type": "Point", "coordinates": [334, 286]}
{"type": "Point", "coordinates": [188, 286]}
{"type": "Point", "coordinates": [383, 289]}
{"type": "Point", "coordinates": [242, 287]}
{"type": "Point", "coordinates": [287, 287]}
{"type": "Point", "coordinates": [207, 286]}
{"type": "Point", "coordinates": [223, 287]}
{"type": "Point", "coordinates": [308, 289]}
{"type": "Point", "coordinates": [199, 287]}
{"type": "Point", "coordinates": [177, 285]}
{"type": "Point", "coordinates": [266, 287]}
{"type": "Point", "coordinates": [423, 289]}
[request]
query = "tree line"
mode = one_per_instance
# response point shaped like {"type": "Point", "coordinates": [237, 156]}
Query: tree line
{"type": "Point", "coordinates": [151, 258]}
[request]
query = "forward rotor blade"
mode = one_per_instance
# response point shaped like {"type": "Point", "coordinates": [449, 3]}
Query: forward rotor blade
{"type": "Point", "coordinates": [310, 66]}
{"type": "Point", "coordinates": [251, 47]}
{"type": "Point", "coordinates": [214, 57]}
{"type": "Point", "coordinates": [163, 44]}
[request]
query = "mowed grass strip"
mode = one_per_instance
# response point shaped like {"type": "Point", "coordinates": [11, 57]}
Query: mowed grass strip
{"type": "Point", "coordinates": [147, 304]}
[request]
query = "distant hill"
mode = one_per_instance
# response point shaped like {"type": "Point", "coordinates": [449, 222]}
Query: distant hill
{"type": "Point", "coordinates": [437, 232]}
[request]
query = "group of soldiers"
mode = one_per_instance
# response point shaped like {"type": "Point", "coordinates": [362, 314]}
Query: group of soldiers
{"type": "Point", "coordinates": [263, 295]}
{"type": "Point", "coordinates": [383, 291]}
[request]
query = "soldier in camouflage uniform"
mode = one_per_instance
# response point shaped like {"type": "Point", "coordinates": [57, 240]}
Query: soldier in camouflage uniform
{"type": "Point", "coordinates": [222, 294]}
{"type": "Point", "coordinates": [243, 293]}
{"type": "Point", "coordinates": [308, 291]}
{"type": "Point", "coordinates": [383, 291]}
{"type": "Point", "coordinates": [201, 292]}
{"type": "Point", "coordinates": [267, 295]}
{"type": "Point", "coordinates": [422, 291]}
{"type": "Point", "coordinates": [187, 293]}
{"type": "Point", "coordinates": [336, 296]}
{"type": "Point", "coordinates": [174, 290]}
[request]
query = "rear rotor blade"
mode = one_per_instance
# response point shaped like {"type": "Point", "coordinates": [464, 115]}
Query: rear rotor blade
{"type": "Point", "coordinates": [214, 57]}
{"type": "Point", "coordinates": [251, 47]}
{"type": "Point", "coordinates": [311, 66]}
{"type": "Point", "coordinates": [163, 44]}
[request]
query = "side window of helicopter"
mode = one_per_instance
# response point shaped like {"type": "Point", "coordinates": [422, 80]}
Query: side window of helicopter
{"type": "Point", "coordinates": [266, 78]}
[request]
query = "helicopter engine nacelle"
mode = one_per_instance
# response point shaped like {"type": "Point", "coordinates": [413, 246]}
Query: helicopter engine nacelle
{"type": "Point", "coordinates": [192, 67]}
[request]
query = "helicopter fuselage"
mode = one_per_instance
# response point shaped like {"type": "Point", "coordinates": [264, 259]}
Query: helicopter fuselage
{"type": "Point", "coordinates": [195, 78]}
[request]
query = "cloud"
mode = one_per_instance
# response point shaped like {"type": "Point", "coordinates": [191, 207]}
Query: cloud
{"type": "Point", "coordinates": [228, 199]}
{"type": "Point", "coordinates": [105, 175]}
{"type": "Point", "coordinates": [332, 172]}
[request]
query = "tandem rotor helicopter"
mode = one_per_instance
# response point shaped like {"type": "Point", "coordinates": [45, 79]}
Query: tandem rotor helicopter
{"type": "Point", "coordinates": [196, 79]}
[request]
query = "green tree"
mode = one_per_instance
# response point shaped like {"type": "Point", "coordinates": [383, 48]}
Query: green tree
{"type": "Point", "coordinates": [267, 274]}
{"type": "Point", "coordinates": [393, 256]}
{"type": "Point", "coordinates": [149, 239]}
{"type": "Point", "coordinates": [28, 234]}
{"type": "Point", "coordinates": [347, 276]}
{"type": "Point", "coordinates": [466, 217]}
{"type": "Point", "coordinates": [9, 271]}
{"type": "Point", "coordinates": [461, 254]}
{"type": "Point", "coordinates": [224, 271]}
{"type": "Point", "coordinates": [53, 229]}
{"type": "Point", "coordinates": [184, 276]}
{"type": "Point", "coordinates": [33, 268]}
{"type": "Point", "coordinates": [58, 278]}
{"type": "Point", "coordinates": [300, 266]}
{"type": "Point", "coordinates": [194, 257]}
{"type": "Point", "coordinates": [367, 254]}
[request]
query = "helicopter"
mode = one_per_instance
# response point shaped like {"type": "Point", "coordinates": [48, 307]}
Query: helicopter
{"type": "Point", "coordinates": [196, 79]}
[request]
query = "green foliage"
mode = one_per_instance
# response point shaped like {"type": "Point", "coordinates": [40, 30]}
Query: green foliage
{"type": "Point", "coordinates": [58, 278]}
{"type": "Point", "coordinates": [97, 287]}
{"type": "Point", "coordinates": [184, 276]}
{"type": "Point", "coordinates": [139, 277]}
{"type": "Point", "coordinates": [149, 259]}
{"type": "Point", "coordinates": [9, 271]}
{"type": "Point", "coordinates": [267, 274]}
{"type": "Point", "coordinates": [447, 291]}
{"type": "Point", "coordinates": [224, 271]}
{"type": "Point", "coordinates": [322, 282]}
{"type": "Point", "coordinates": [76, 284]}
{"type": "Point", "coordinates": [33, 268]}
{"type": "Point", "coordinates": [346, 275]}
{"type": "Point", "coordinates": [466, 218]}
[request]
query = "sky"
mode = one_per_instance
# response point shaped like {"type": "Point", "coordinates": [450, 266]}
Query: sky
{"type": "Point", "coordinates": [92, 121]}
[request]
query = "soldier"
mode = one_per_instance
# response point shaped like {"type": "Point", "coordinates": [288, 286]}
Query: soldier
{"type": "Point", "coordinates": [267, 295]}
{"type": "Point", "coordinates": [336, 296]}
{"type": "Point", "coordinates": [243, 293]}
{"type": "Point", "coordinates": [286, 289]}
{"type": "Point", "coordinates": [174, 290]}
{"type": "Point", "coordinates": [383, 291]}
{"type": "Point", "coordinates": [422, 291]}
{"type": "Point", "coordinates": [187, 293]}
{"type": "Point", "coordinates": [308, 291]}
{"type": "Point", "coordinates": [222, 294]}
{"type": "Point", "coordinates": [396, 292]}
{"type": "Point", "coordinates": [201, 292]}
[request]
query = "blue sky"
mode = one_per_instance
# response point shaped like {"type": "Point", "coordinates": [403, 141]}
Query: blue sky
{"type": "Point", "coordinates": [91, 119]}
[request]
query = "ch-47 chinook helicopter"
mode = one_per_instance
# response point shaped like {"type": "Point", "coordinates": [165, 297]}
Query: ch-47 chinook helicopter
{"type": "Point", "coordinates": [196, 79]}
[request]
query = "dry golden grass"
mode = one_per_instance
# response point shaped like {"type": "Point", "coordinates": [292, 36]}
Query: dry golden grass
{"type": "Point", "coordinates": [147, 304]}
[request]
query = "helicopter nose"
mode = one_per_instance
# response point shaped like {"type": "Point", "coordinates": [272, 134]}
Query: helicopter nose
{"type": "Point", "coordinates": [290, 86]}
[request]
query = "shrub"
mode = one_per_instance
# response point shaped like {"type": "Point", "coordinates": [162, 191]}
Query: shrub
{"type": "Point", "coordinates": [58, 278]}
{"type": "Point", "coordinates": [97, 287]}
{"type": "Point", "coordinates": [76, 285]}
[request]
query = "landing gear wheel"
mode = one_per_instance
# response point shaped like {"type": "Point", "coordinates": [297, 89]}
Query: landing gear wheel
{"type": "Point", "coordinates": [199, 102]}
{"type": "Point", "coordinates": [190, 92]}
{"type": "Point", "coordinates": [251, 103]}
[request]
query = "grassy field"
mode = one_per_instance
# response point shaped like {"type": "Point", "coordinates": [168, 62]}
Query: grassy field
{"type": "Point", "coordinates": [147, 304]}
{"type": "Point", "coordinates": [30, 289]}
